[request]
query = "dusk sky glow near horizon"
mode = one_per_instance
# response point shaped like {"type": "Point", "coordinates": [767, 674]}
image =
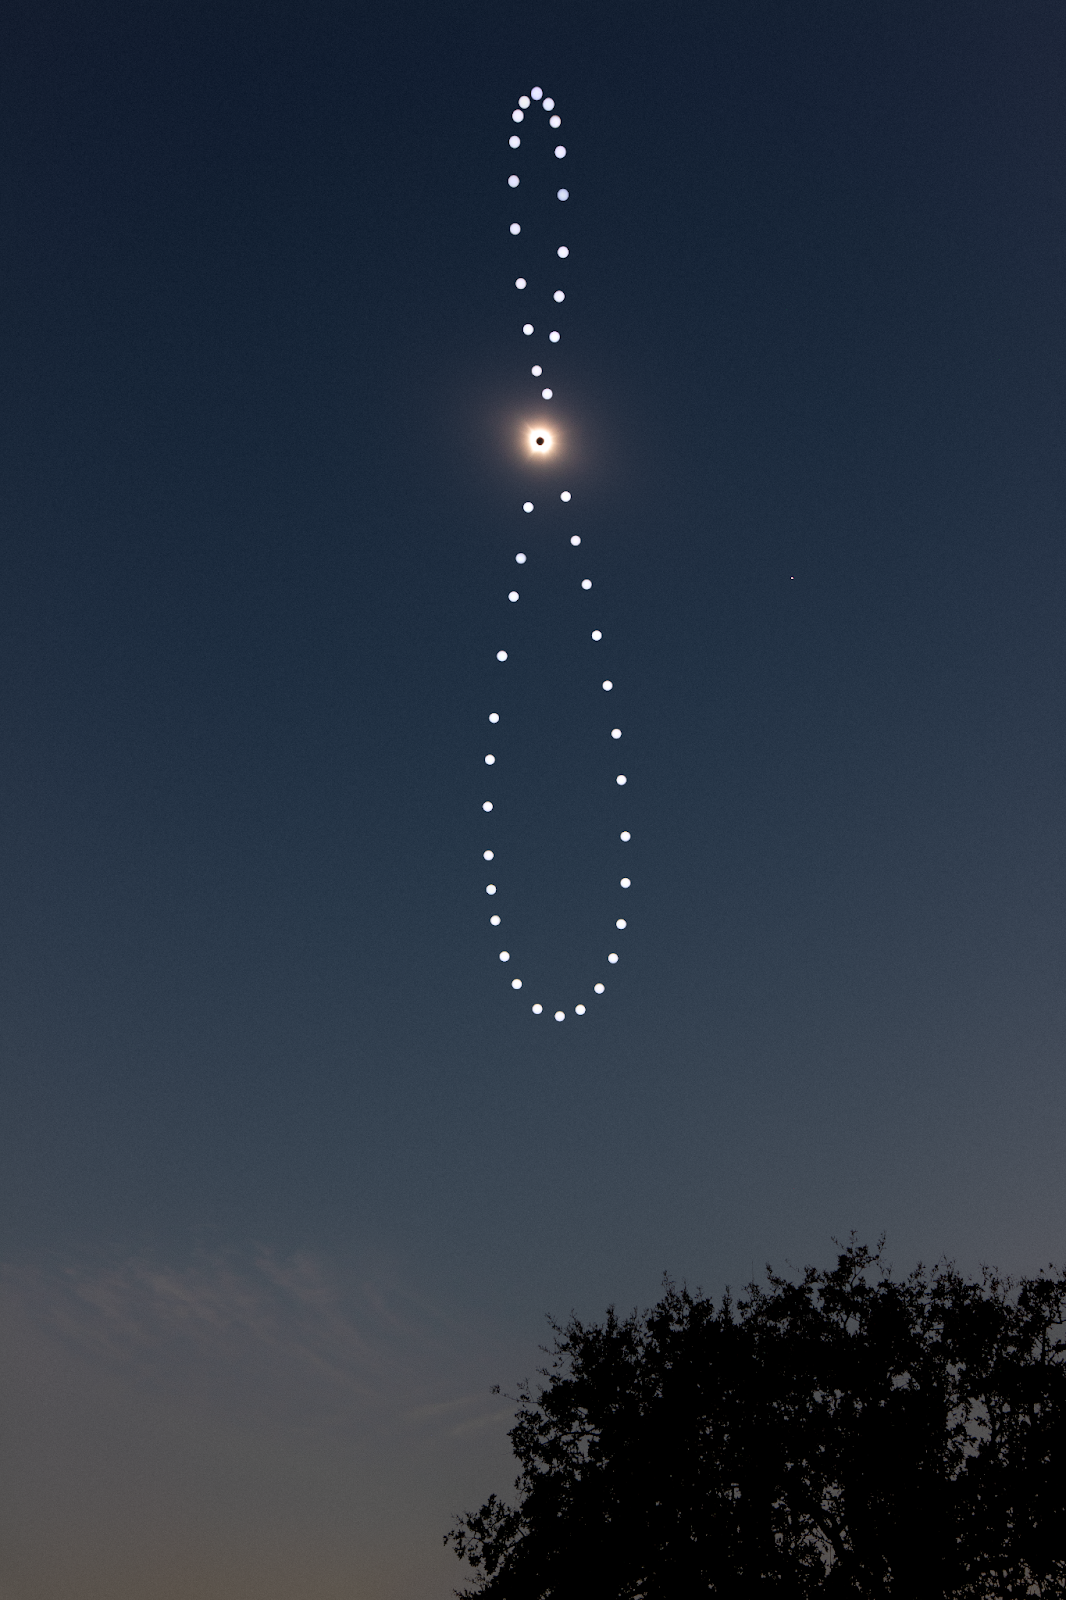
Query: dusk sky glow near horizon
{"type": "Point", "coordinates": [291, 1173]}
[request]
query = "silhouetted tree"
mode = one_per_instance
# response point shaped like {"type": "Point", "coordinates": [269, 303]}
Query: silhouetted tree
{"type": "Point", "coordinates": [848, 1434]}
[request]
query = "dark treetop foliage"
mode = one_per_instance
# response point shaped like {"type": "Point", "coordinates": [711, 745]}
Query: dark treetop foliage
{"type": "Point", "coordinates": [849, 1434]}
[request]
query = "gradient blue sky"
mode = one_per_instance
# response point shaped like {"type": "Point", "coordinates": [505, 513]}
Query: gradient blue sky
{"type": "Point", "coordinates": [288, 1180]}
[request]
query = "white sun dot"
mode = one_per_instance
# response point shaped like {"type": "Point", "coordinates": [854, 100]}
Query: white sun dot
{"type": "Point", "coordinates": [625, 836]}
{"type": "Point", "coordinates": [527, 505]}
{"type": "Point", "coordinates": [607, 684]}
{"type": "Point", "coordinates": [488, 855]}
{"type": "Point", "coordinates": [555, 122]}
{"type": "Point", "coordinates": [613, 959]}
{"type": "Point", "coordinates": [616, 733]}
{"type": "Point", "coordinates": [513, 181]}
{"type": "Point", "coordinates": [536, 93]}
{"type": "Point", "coordinates": [514, 141]}
{"type": "Point", "coordinates": [621, 778]}
{"type": "Point", "coordinates": [505, 955]}
{"type": "Point", "coordinates": [621, 922]}
{"type": "Point", "coordinates": [537, 1010]}
{"type": "Point", "coordinates": [516, 983]}
{"type": "Point", "coordinates": [495, 921]}
{"type": "Point", "coordinates": [513, 595]}
{"type": "Point", "coordinates": [520, 558]}
{"type": "Point", "coordinates": [545, 394]}
{"type": "Point", "coordinates": [554, 337]}
{"type": "Point", "coordinates": [626, 883]}
{"type": "Point", "coordinates": [490, 761]}
{"type": "Point", "coordinates": [558, 296]}
{"type": "Point", "coordinates": [562, 252]}
{"type": "Point", "coordinates": [527, 328]}
{"type": "Point", "coordinates": [597, 635]}
{"type": "Point", "coordinates": [520, 283]}
{"type": "Point", "coordinates": [516, 227]}
{"type": "Point", "coordinates": [565, 496]}
{"type": "Point", "coordinates": [560, 1016]}
{"type": "Point", "coordinates": [523, 101]}
{"type": "Point", "coordinates": [598, 988]}
{"type": "Point", "coordinates": [536, 371]}
{"type": "Point", "coordinates": [494, 716]}
{"type": "Point", "coordinates": [549, 105]}
{"type": "Point", "coordinates": [501, 655]}
{"type": "Point", "coordinates": [563, 194]}
{"type": "Point", "coordinates": [487, 806]}
{"type": "Point", "coordinates": [518, 116]}
{"type": "Point", "coordinates": [560, 151]}
{"type": "Point", "coordinates": [575, 538]}
{"type": "Point", "coordinates": [490, 888]}
{"type": "Point", "coordinates": [586, 583]}
{"type": "Point", "coordinates": [579, 1011]}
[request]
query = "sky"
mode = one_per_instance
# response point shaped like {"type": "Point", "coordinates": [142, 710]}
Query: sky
{"type": "Point", "coordinates": [289, 1176]}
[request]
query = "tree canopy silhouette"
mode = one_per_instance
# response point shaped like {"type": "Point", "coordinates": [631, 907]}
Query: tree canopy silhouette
{"type": "Point", "coordinates": [847, 1434]}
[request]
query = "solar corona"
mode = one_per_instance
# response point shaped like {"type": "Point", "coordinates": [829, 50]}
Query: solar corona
{"type": "Point", "coordinates": [542, 291]}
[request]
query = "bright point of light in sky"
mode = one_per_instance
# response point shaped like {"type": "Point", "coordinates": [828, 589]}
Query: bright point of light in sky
{"type": "Point", "coordinates": [607, 684]}
{"type": "Point", "coordinates": [527, 328]}
{"type": "Point", "coordinates": [517, 116]}
{"type": "Point", "coordinates": [487, 805]}
{"type": "Point", "coordinates": [613, 959]}
{"type": "Point", "coordinates": [575, 538]}
{"type": "Point", "coordinates": [520, 558]}
{"type": "Point", "coordinates": [621, 778]}
{"type": "Point", "coordinates": [621, 922]}
{"type": "Point", "coordinates": [516, 983]}
{"type": "Point", "coordinates": [488, 854]}
{"type": "Point", "coordinates": [616, 733]}
{"type": "Point", "coordinates": [625, 836]}
{"type": "Point", "coordinates": [490, 761]}
{"type": "Point", "coordinates": [560, 151]}
{"type": "Point", "coordinates": [516, 227]}
{"type": "Point", "coordinates": [559, 296]}
{"type": "Point", "coordinates": [549, 105]}
{"type": "Point", "coordinates": [562, 252]}
{"type": "Point", "coordinates": [490, 888]}
{"type": "Point", "coordinates": [579, 1011]}
{"type": "Point", "coordinates": [597, 988]}
{"type": "Point", "coordinates": [494, 716]}
{"type": "Point", "coordinates": [513, 595]}
{"type": "Point", "coordinates": [537, 1010]}
{"type": "Point", "coordinates": [597, 635]}
{"type": "Point", "coordinates": [520, 283]}
{"type": "Point", "coordinates": [514, 141]}
{"type": "Point", "coordinates": [564, 194]}
{"type": "Point", "coordinates": [565, 496]}
{"type": "Point", "coordinates": [560, 1016]}
{"type": "Point", "coordinates": [555, 122]}
{"type": "Point", "coordinates": [545, 394]}
{"type": "Point", "coordinates": [536, 371]}
{"type": "Point", "coordinates": [495, 921]}
{"type": "Point", "coordinates": [501, 655]}
{"type": "Point", "coordinates": [527, 505]}
{"type": "Point", "coordinates": [523, 101]}
{"type": "Point", "coordinates": [626, 883]}
{"type": "Point", "coordinates": [554, 337]}
{"type": "Point", "coordinates": [586, 583]}
{"type": "Point", "coordinates": [535, 94]}
{"type": "Point", "coordinates": [505, 955]}
{"type": "Point", "coordinates": [513, 181]}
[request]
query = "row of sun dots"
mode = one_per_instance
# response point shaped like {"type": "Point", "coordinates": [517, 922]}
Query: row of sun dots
{"type": "Point", "coordinates": [541, 441]}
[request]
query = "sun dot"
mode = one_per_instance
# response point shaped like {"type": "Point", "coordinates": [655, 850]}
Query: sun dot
{"type": "Point", "coordinates": [514, 141]}
{"type": "Point", "coordinates": [607, 684]}
{"type": "Point", "coordinates": [549, 105]}
{"type": "Point", "coordinates": [562, 252]}
{"type": "Point", "coordinates": [490, 761]}
{"type": "Point", "coordinates": [536, 93]}
{"type": "Point", "coordinates": [621, 778]}
{"type": "Point", "coordinates": [520, 283]}
{"type": "Point", "coordinates": [513, 181]}
{"type": "Point", "coordinates": [537, 1010]}
{"type": "Point", "coordinates": [501, 655]}
{"type": "Point", "coordinates": [505, 955]}
{"type": "Point", "coordinates": [520, 558]}
{"type": "Point", "coordinates": [579, 1011]}
{"type": "Point", "coordinates": [586, 583]}
{"type": "Point", "coordinates": [555, 122]}
{"type": "Point", "coordinates": [613, 959]}
{"type": "Point", "coordinates": [518, 116]}
{"type": "Point", "coordinates": [495, 921]}
{"type": "Point", "coordinates": [554, 337]}
{"type": "Point", "coordinates": [545, 394]}
{"type": "Point", "coordinates": [616, 733]}
{"type": "Point", "coordinates": [621, 922]}
{"type": "Point", "coordinates": [527, 505]}
{"type": "Point", "coordinates": [536, 371]}
{"type": "Point", "coordinates": [565, 496]}
{"type": "Point", "coordinates": [563, 194]}
{"type": "Point", "coordinates": [527, 328]}
{"type": "Point", "coordinates": [597, 635]}
{"type": "Point", "coordinates": [626, 883]}
{"type": "Point", "coordinates": [513, 595]}
{"type": "Point", "coordinates": [487, 805]}
{"type": "Point", "coordinates": [516, 983]}
{"type": "Point", "coordinates": [625, 836]}
{"type": "Point", "coordinates": [494, 716]}
{"type": "Point", "coordinates": [490, 888]}
{"type": "Point", "coordinates": [597, 988]}
{"type": "Point", "coordinates": [523, 101]}
{"type": "Point", "coordinates": [558, 297]}
{"type": "Point", "coordinates": [488, 855]}
{"type": "Point", "coordinates": [560, 1016]}
{"type": "Point", "coordinates": [516, 227]}
{"type": "Point", "coordinates": [560, 151]}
